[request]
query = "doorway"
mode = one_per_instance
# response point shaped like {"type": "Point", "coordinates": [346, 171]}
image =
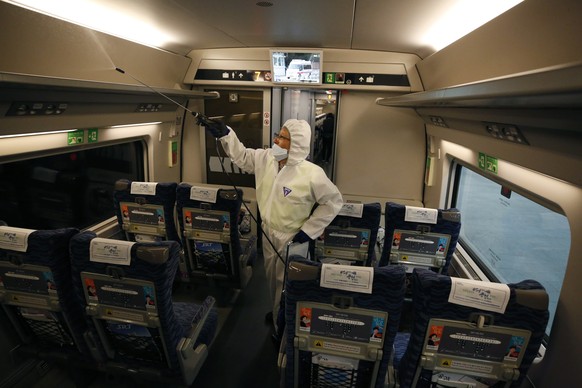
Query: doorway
{"type": "Point", "coordinates": [242, 110]}
{"type": "Point", "coordinates": [319, 109]}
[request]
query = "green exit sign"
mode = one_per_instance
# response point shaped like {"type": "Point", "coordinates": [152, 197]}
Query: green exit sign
{"type": "Point", "coordinates": [488, 163]}
{"type": "Point", "coordinates": [92, 135]}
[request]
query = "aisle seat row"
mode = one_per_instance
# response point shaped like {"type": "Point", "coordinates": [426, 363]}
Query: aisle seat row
{"type": "Point", "coordinates": [412, 237]}
{"type": "Point", "coordinates": [203, 219]}
{"type": "Point", "coordinates": [106, 303]}
{"type": "Point", "coordinates": [342, 322]}
{"type": "Point", "coordinates": [400, 320]}
{"type": "Point", "coordinates": [218, 238]}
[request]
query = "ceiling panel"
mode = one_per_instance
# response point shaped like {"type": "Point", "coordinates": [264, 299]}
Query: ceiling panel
{"type": "Point", "coordinates": [399, 25]}
{"type": "Point", "coordinates": [179, 26]}
{"type": "Point", "coordinates": [320, 23]}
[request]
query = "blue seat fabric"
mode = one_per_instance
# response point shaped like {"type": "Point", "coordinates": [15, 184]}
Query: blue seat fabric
{"type": "Point", "coordinates": [175, 318]}
{"type": "Point", "coordinates": [214, 263]}
{"type": "Point", "coordinates": [394, 219]}
{"type": "Point", "coordinates": [165, 196]}
{"type": "Point", "coordinates": [430, 299]}
{"type": "Point", "coordinates": [388, 295]}
{"type": "Point", "coordinates": [50, 248]}
{"type": "Point", "coordinates": [371, 216]}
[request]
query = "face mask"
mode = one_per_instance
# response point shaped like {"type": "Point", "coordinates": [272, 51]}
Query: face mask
{"type": "Point", "coordinates": [279, 153]}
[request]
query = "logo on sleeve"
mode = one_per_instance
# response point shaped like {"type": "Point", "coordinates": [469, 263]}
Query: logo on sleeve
{"type": "Point", "coordinates": [286, 191]}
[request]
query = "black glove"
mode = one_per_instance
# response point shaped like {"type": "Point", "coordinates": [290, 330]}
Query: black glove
{"type": "Point", "coordinates": [217, 128]}
{"type": "Point", "coordinates": [301, 237]}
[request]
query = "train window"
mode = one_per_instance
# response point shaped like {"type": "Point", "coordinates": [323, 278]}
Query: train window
{"type": "Point", "coordinates": [511, 237]}
{"type": "Point", "coordinates": [72, 189]}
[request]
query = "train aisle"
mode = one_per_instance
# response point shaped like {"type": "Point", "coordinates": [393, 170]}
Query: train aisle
{"type": "Point", "coordinates": [243, 355]}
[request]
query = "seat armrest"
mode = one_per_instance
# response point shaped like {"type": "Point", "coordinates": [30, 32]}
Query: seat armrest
{"type": "Point", "coordinates": [190, 355]}
{"type": "Point", "coordinates": [200, 318]}
{"type": "Point", "coordinates": [249, 252]}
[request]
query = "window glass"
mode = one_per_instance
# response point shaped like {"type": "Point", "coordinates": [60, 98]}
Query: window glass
{"type": "Point", "coordinates": [72, 189]}
{"type": "Point", "coordinates": [511, 237]}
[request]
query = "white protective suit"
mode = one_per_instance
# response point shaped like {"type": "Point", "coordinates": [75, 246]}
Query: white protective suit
{"type": "Point", "coordinates": [286, 197]}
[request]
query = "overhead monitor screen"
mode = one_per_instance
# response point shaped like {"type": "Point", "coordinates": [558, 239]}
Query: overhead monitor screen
{"type": "Point", "coordinates": [296, 67]}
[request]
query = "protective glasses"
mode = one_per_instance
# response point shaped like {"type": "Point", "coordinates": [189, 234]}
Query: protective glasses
{"type": "Point", "coordinates": [277, 136]}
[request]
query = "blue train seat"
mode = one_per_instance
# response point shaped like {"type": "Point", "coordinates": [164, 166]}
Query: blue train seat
{"type": "Point", "coordinates": [36, 292]}
{"type": "Point", "coordinates": [350, 238]}
{"type": "Point", "coordinates": [420, 237]}
{"type": "Point", "coordinates": [208, 218]}
{"type": "Point", "coordinates": [145, 210]}
{"type": "Point", "coordinates": [341, 322]}
{"type": "Point", "coordinates": [472, 331]}
{"type": "Point", "coordinates": [127, 292]}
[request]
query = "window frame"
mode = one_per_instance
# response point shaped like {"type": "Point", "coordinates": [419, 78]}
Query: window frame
{"type": "Point", "coordinates": [467, 253]}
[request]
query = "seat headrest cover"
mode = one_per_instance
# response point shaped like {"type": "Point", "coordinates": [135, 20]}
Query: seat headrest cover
{"type": "Point", "coordinates": [104, 250]}
{"type": "Point", "coordinates": [478, 294]}
{"type": "Point", "coordinates": [203, 194]}
{"type": "Point", "coordinates": [143, 188]}
{"type": "Point", "coordinates": [14, 239]}
{"type": "Point", "coordinates": [421, 214]}
{"type": "Point", "coordinates": [347, 278]}
{"type": "Point", "coordinates": [352, 210]}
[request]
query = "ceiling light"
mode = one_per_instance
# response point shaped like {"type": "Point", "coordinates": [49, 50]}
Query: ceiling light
{"type": "Point", "coordinates": [101, 17]}
{"type": "Point", "coordinates": [463, 17]}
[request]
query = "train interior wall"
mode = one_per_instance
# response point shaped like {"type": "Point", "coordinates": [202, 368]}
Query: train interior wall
{"type": "Point", "coordinates": [518, 169]}
{"type": "Point", "coordinates": [45, 46]}
{"type": "Point", "coordinates": [374, 142]}
{"type": "Point", "coordinates": [383, 140]}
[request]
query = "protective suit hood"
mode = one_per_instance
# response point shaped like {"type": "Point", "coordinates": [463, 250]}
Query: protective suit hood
{"type": "Point", "coordinates": [300, 134]}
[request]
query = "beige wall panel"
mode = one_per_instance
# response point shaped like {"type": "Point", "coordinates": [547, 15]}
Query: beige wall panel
{"type": "Point", "coordinates": [380, 150]}
{"type": "Point", "coordinates": [35, 44]}
{"type": "Point", "coordinates": [194, 154]}
{"type": "Point", "coordinates": [562, 355]}
{"type": "Point", "coordinates": [533, 35]}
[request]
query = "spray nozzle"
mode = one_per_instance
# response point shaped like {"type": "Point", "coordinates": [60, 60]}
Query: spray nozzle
{"type": "Point", "coordinates": [202, 120]}
{"type": "Point", "coordinates": [217, 128]}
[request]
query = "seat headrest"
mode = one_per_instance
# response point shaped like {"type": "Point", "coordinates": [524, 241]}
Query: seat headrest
{"type": "Point", "coordinates": [153, 255]}
{"type": "Point", "coordinates": [536, 299]}
{"type": "Point", "coordinates": [228, 194]}
{"type": "Point", "coordinates": [302, 271]}
{"type": "Point", "coordinates": [122, 184]}
{"type": "Point", "coordinates": [452, 215]}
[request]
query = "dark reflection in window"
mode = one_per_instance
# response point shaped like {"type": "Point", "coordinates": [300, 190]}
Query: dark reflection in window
{"type": "Point", "coordinates": [73, 189]}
